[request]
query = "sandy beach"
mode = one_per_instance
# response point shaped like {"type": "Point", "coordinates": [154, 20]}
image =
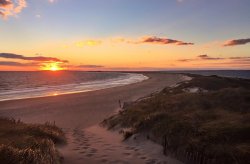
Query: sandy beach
{"type": "Point", "coordinates": [80, 113]}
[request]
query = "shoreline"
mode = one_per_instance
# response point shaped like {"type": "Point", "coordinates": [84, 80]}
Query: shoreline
{"type": "Point", "coordinates": [95, 86]}
{"type": "Point", "coordinates": [69, 110]}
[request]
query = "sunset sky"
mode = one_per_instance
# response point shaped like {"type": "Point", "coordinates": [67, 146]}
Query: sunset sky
{"type": "Point", "coordinates": [124, 34]}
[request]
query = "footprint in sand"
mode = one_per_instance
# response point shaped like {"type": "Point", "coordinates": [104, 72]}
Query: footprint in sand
{"type": "Point", "coordinates": [93, 150]}
{"type": "Point", "coordinates": [104, 155]}
{"type": "Point", "coordinates": [162, 162]}
{"type": "Point", "coordinates": [138, 154]}
{"type": "Point", "coordinates": [109, 149]}
{"type": "Point", "coordinates": [89, 155]}
{"type": "Point", "coordinates": [103, 160]}
{"type": "Point", "coordinates": [127, 153]}
{"type": "Point", "coordinates": [135, 148]}
{"type": "Point", "coordinates": [80, 159]}
{"type": "Point", "coordinates": [119, 162]}
{"type": "Point", "coordinates": [76, 149]}
{"type": "Point", "coordinates": [82, 144]}
{"type": "Point", "coordinates": [143, 157]}
{"type": "Point", "coordinates": [151, 161]}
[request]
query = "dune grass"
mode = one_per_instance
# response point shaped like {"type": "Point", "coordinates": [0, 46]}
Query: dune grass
{"type": "Point", "coordinates": [29, 143]}
{"type": "Point", "coordinates": [208, 126]}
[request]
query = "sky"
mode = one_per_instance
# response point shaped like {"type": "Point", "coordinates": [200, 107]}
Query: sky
{"type": "Point", "coordinates": [124, 34]}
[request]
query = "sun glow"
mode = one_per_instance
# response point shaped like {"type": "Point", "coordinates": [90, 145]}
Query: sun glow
{"type": "Point", "coordinates": [51, 67]}
{"type": "Point", "coordinates": [54, 68]}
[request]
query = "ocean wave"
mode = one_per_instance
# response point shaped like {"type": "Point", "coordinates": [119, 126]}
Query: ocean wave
{"type": "Point", "coordinates": [44, 91]}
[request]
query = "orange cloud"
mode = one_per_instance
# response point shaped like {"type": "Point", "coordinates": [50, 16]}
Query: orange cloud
{"type": "Point", "coordinates": [153, 40]}
{"type": "Point", "coordinates": [230, 61]}
{"type": "Point", "coordinates": [11, 7]}
{"type": "Point", "coordinates": [35, 58]}
{"type": "Point", "coordinates": [88, 43]}
{"type": "Point", "coordinates": [157, 40]}
{"type": "Point", "coordinates": [236, 42]}
{"type": "Point", "coordinates": [206, 57]}
{"type": "Point", "coordinates": [5, 3]}
{"type": "Point", "coordinates": [11, 63]}
{"type": "Point", "coordinates": [88, 66]}
{"type": "Point", "coordinates": [202, 57]}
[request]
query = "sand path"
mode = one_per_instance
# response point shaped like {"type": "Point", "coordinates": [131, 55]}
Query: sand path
{"type": "Point", "coordinates": [97, 145]}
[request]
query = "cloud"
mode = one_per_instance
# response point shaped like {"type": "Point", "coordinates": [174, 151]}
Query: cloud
{"type": "Point", "coordinates": [142, 40]}
{"type": "Point", "coordinates": [234, 63]}
{"type": "Point", "coordinates": [200, 57]}
{"type": "Point", "coordinates": [4, 3]}
{"type": "Point", "coordinates": [236, 42]}
{"type": "Point", "coordinates": [11, 7]}
{"type": "Point", "coordinates": [89, 66]}
{"type": "Point", "coordinates": [10, 63]}
{"type": "Point", "coordinates": [163, 41]}
{"type": "Point", "coordinates": [35, 58]}
{"type": "Point", "coordinates": [88, 43]}
{"type": "Point", "coordinates": [206, 57]}
{"type": "Point", "coordinates": [185, 60]}
{"type": "Point", "coordinates": [206, 61]}
{"type": "Point", "coordinates": [238, 59]}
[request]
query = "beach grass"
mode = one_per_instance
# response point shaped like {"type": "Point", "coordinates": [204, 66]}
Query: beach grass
{"type": "Point", "coordinates": [29, 143]}
{"type": "Point", "coordinates": [205, 120]}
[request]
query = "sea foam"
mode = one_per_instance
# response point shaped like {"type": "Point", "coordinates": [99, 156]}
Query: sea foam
{"type": "Point", "coordinates": [44, 91]}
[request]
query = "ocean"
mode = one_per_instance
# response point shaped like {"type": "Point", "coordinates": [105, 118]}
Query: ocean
{"type": "Point", "coordinates": [20, 85]}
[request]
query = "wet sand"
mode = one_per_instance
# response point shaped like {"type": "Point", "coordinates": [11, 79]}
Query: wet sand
{"type": "Point", "coordinates": [78, 112]}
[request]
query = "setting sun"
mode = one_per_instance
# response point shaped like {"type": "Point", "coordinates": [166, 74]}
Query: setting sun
{"type": "Point", "coordinates": [51, 67]}
{"type": "Point", "coordinates": [54, 68]}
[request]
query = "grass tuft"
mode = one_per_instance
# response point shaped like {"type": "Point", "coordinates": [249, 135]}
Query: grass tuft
{"type": "Point", "coordinates": [29, 143]}
{"type": "Point", "coordinates": [209, 126]}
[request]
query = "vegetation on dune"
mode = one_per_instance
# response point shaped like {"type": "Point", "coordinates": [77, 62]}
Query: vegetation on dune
{"type": "Point", "coordinates": [210, 125]}
{"type": "Point", "coordinates": [29, 143]}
